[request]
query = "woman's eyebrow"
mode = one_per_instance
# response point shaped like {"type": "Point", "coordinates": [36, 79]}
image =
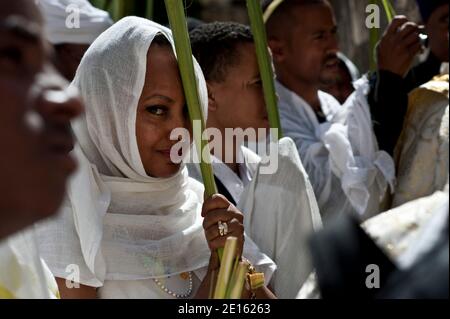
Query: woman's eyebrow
{"type": "Point", "coordinates": [162, 97]}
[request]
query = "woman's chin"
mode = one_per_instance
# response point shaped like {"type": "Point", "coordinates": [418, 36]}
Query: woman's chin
{"type": "Point", "coordinates": [165, 171]}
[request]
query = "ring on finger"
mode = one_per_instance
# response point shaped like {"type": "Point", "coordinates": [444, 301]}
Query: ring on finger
{"type": "Point", "coordinates": [223, 228]}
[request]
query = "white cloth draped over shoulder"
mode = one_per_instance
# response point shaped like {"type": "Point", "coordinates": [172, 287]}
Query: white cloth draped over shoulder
{"type": "Point", "coordinates": [347, 170]}
{"type": "Point", "coordinates": [73, 21]}
{"type": "Point", "coordinates": [23, 274]}
{"type": "Point", "coordinates": [125, 225]}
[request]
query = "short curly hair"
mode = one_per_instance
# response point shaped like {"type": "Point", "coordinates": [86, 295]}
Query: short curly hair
{"type": "Point", "coordinates": [215, 45]}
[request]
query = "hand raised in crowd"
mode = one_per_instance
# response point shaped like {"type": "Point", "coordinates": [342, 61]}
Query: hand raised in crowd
{"type": "Point", "coordinates": [399, 46]}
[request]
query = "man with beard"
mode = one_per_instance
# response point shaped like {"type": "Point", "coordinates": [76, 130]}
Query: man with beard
{"type": "Point", "coordinates": [336, 144]}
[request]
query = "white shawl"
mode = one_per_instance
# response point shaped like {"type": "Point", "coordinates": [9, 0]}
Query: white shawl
{"type": "Point", "coordinates": [341, 156]}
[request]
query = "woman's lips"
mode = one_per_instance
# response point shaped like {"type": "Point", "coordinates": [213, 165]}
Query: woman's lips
{"type": "Point", "coordinates": [166, 153]}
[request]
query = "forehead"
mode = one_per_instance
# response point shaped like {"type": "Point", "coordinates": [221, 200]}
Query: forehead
{"type": "Point", "coordinates": [246, 64]}
{"type": "Point", "coordinates": [162, 70]}
{"type": "Point", "coordinates": [25, 9]}
{"type": "Point", "coordinates": [21, 18]}
{"type": "Point", "coordinates": [313, 17]}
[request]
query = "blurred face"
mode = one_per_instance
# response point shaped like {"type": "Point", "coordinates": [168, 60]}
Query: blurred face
{"type": "Point", "coordinates": [308, 51]}
{"type": "Point", "coordinates": [161, 109]}
{"type": "Point", "coordinates": [35, 114]}
{"type": "Point", "coordinates": [437, 28]}
{"type": "Point", "coordinates": [238, 101]}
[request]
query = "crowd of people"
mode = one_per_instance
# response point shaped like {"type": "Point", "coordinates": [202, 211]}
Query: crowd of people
{"type": "Point", "coordinates": [93, 204]}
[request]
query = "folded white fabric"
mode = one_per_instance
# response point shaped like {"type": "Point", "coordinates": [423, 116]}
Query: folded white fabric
{"type": "Point", "coordinates": [281, 213]}
{"type": "Point", "coordinates": [73, 21]}
{"type": "Point", "coordinates": [23, 275]}
{"type": "Point", "coordinates": [348, 172]}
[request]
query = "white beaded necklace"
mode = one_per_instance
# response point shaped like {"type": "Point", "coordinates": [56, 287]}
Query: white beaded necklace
{"type": "Point", "coordinates": [170, 292]}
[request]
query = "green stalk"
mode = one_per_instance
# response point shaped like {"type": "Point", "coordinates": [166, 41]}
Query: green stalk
{"type": "Point", "coordinates": [375, 33]}
{"type": "Point", "coordinates": [374, 38]}
{"type": "Point", "coordinates": [119, 9]}
{"type": "Point", "coordinates": [98, 3]}
{"type": "Point", "coordinates": [237, 282]}
{"type": "Point", "coordinates": [389, 9]}
{"type": "Point", "coordinates": [392, 8]}
{"type": "Point", "coordinates": [265, 63]}
{"type": "Point", "coordinates": [177, 20]}
{"type": "Point", "coordinates": [149, 9]}
{"type": "Point", "coordinates": [226, 268]}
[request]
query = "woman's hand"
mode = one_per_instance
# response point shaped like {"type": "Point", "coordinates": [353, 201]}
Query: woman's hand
{"type": "Point", "coordinates": [218, 209]}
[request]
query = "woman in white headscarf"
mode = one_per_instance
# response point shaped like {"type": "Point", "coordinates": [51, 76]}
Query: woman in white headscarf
{"type": "Point", "coordinates": [132, 225]}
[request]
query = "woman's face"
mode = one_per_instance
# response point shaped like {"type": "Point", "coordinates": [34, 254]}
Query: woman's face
{"type": "Point", "coordinates": [161, 109]}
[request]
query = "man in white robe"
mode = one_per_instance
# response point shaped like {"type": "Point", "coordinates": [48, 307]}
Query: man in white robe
{"type": "Point", "coordinates": [71, 26]}
{"type": "Point", "coordinates": [336, 143]}
{"type": "Point", "coordinates": [279, 206]}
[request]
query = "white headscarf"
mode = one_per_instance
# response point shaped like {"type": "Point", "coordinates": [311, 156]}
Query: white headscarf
{"type": "Point", "coordinates": [131, 226]}
{"type": "Point", "coordinates": [73, 21]}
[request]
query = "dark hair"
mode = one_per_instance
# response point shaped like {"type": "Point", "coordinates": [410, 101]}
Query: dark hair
{"type": "Point", "coordinates": [161, 40]}
{"type": "Point", "coordinates": [215, 45]}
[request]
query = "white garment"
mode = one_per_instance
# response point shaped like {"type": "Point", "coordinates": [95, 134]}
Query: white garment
{"type": "Point", "coordinates": [233, 183]}
{"type": "Point", "coordinates": [405, 234]}
{"type": "Point", "coordinates": [407, 231]}
{"type": "Point", "coordinates": [280, 212]}
{"type": "Point", "coordinates": [347, 171]}
{"type": "Point", "coordinates": [73, 21]}
{"type": "Point", "coordinates": [120, 224]}
{"type": "Point", "coordinates": [23, 274]}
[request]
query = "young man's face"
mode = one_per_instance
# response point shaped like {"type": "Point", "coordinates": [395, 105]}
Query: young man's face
{"type": "Point", "coordinates": [35, 114]}
{"type": "Point", "coordinates": [437, 28]}
{"type": "Point", "coordinates": [239, 98]}
{"type": "Point", "coordinates": [309, 49]}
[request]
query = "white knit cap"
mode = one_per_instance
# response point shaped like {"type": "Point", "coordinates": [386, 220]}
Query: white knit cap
{"type": "Point", "coordinates": [73, 21]}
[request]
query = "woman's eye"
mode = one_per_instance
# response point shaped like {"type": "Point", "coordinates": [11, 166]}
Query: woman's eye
{"type": "Point", "coordinates": [156, 110]}
{"type": "Point", "coordinates": [256, 83]}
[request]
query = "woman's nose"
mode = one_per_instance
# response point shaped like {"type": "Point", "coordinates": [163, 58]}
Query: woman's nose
{"type": "Point", "coordinates": [178, 121]}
